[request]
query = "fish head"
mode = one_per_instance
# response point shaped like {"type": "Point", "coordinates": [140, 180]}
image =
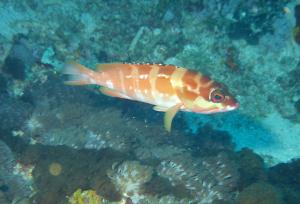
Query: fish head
{"type": "Point", "coordinates": [214, 99]}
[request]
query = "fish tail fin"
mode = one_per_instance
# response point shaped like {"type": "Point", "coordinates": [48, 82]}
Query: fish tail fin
{"type": "Point", "coordinates": [78, 74]}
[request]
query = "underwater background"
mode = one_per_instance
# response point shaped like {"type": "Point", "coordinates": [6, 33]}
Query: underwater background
{"type": "Point", "coordinates": [64, 144]}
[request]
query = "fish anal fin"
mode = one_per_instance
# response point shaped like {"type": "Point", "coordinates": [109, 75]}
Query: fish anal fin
{"type": "Point", "coordinates": [169, 115]}
{"type": "Point", "coordinates": [112, 93]}
{"type": "Point", "coordinates": [160, 108]}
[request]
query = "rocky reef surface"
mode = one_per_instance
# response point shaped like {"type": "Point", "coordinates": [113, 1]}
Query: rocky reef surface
{"type": "Point", "coordinates": [62, 144]}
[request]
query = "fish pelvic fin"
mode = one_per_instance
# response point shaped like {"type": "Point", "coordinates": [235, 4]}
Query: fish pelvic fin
{"type": "Point", "coordinates": [169, 115]}
{"type": "Point", "coordinates": [79, 74]}
{"type": "Point", "coordinates": [160, 108]}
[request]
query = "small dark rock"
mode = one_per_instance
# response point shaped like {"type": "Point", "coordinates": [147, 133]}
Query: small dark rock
{"type": "Point", "coordinates": [241, 30]}
{"type": "Point", "coordinates": [15, 67]}
{"type": "Point", "coordinates": [297, 105]}
{"type": "Point", "coordinates": [297, 14]}
{"type": "Point", "coordinates": [20, 58]}
{"type": "Point", "coordinates": [102, 56]}
{"type": "Point", "coordinates": [4, 188]}
{"type": "Point", "coordinates": [251, 168]}
{"type": "Point", "coordinates": [260, 193]}
{"type": "Point", "coordinates": [3, 83]}
{"type": "Point", "coordinates": [212, 140]}
{"type": "Point", "coordinates": [286, 174]}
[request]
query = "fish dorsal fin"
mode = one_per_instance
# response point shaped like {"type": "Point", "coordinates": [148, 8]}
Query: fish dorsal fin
{"type": "Point", "coordinates": [169, 115]}
{"type": "Point", "coordinates": [112, 93]}
{"type": "Point", "coordinates": [107, 66]}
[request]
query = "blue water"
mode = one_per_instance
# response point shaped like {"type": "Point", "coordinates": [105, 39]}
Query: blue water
{"type": "Point", "coordinates": [71, 144]}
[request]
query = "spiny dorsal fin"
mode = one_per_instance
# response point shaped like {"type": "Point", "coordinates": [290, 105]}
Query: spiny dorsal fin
{"type": "Point", "coordinates": [107, 66]}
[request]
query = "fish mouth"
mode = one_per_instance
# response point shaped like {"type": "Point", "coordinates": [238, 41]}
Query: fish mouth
{"type": "Point", "coordinates": [230, 108]}
{"type": "Point", "coordinates": [225, 109]}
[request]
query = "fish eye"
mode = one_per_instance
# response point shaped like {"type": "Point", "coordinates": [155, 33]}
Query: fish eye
{"type": "Point", "coordinates": [217, 96]}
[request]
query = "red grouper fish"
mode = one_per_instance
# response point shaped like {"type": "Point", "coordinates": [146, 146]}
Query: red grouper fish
{"type": "Point", "coordinates": [168, 87]}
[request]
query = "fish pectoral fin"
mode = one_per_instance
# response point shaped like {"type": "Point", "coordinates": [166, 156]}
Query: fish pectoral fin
{"type": "Point", "coordinates": [160, 108]}
{"type": "Point", "coordinates": [169, 115]}
{"type": "Point", "coordinates": [112, 93]}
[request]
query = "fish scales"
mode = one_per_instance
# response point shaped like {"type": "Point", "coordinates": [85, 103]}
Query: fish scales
{"type": "Point", "coordinates": [146, 83]}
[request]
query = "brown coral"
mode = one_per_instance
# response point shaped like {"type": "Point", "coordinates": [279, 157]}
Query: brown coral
{"type": "Point", "coordinates": [260, 193]}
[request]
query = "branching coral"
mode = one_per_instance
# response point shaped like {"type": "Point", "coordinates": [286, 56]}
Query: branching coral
{"type": "Point", "coordinates": [129, 176]}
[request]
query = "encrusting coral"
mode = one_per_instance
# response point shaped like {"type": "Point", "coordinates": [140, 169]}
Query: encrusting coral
{"type": "Point", "coordinates": [85, 197]}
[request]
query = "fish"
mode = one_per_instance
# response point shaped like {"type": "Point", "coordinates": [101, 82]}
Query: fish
{"type": "Point", "coordinates": [168, 87]}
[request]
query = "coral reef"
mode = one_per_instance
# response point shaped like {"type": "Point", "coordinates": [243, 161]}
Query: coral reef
{"type": "Point", "coordinates": [208, 36]}
{"type": "Point", "coordinates": [60, 139]}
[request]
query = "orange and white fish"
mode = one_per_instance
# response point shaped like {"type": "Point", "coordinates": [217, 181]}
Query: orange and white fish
{"type": "Point", "coordinates": [168, 87]}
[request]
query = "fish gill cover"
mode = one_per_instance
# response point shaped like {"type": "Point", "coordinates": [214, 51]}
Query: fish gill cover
{"type": "Point", "coordinates": [62, 144]}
